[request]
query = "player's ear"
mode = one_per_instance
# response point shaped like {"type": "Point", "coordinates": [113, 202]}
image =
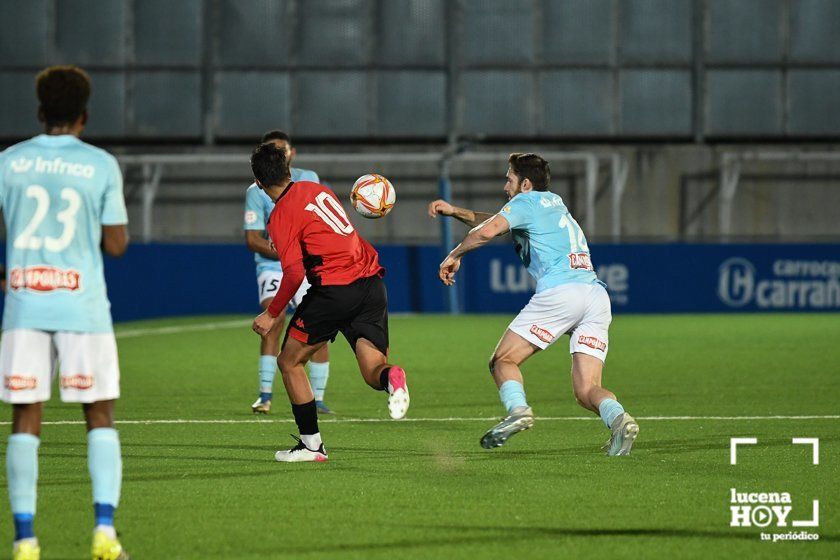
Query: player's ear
{"type": "Point", "coordinates": [292, 153]}
{"type": "Point", "coordinates": [526, 185]}
{"type": "Point", "coordinates": [83, 118]}
{"type": "Point", "coordinates": [41, 117]}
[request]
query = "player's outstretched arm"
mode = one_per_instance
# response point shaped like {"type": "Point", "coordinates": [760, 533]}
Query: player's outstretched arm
{"type": "Point", "coordinates": [492, 227]}
{"type": "Point", "coordinates": [470, 217]}
{"type": "Point", "coordinates": [114, 240]}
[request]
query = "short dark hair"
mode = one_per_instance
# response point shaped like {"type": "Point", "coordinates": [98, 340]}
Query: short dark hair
{"type": "Point", "coordinates": [269, 164]}
{"type": "Point", "coordinates": [63, 92]}
{"type": "Point", "coordinates": [276, 135]}
{"type": "Point", "coordinates": [531, 167]}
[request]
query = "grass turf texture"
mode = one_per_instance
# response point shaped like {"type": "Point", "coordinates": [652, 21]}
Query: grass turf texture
{"type": "Point", "coordinates": [425, 489]}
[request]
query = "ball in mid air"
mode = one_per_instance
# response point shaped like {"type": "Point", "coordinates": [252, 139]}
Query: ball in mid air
{"type": "Point", "coordinates": [373, 196]}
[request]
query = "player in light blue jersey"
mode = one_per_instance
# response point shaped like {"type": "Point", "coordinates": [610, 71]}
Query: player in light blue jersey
{"type": "Point", "coordinates": [63, 204]}
{"type": "Point", "coordinates": [258, 207]}
{"type": "Point", "coordinates": [569, 299]}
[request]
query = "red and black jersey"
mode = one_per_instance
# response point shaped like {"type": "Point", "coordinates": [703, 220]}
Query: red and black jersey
{"type": "Point", "coordinates": [310, 231]}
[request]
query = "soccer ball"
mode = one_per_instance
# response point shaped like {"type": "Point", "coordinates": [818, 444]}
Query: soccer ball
{"type": "Point", "coordinates": [373, 196]}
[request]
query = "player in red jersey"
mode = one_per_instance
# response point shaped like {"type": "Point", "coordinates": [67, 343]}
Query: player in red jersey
{"type": "Point", "coordinates": [314, 238]}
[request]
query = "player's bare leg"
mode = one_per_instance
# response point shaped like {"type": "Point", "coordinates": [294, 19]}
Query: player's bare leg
{"type": "Point", "coordinates": [26, 418]}
{"type": "Point", "coordinates": [586, 383]}
{"type": "Point", "coordinates": [291, 361]}
{"type": "Point", "coordinates": [269, 348]}
{"type": "Point", "coordinates": [382, 376]}
{"type": "Point", "coordinates": [105, 464]}
{"type": "Point", "coordinates": [99, 415]}
{"type": "Point", "coordinates": [511, 352]}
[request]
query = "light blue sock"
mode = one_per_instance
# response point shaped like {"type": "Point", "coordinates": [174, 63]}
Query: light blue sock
{"type": "Point", "coordinates": [610, 409]}
{"type": "Point", "coordinates": [105, 464]}
{"type": "Point", "coordinates": [512, 394]}
{"type": "Point", "coordinates": [319, 373]}
{"type": "Point", "coordinates": [22, 475]}
{"type": "Point", "coordinates": [268, 366]}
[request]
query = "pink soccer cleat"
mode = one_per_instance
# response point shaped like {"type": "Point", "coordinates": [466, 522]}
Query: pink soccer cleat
{"type": "Point", "coordinates": [398, 398]}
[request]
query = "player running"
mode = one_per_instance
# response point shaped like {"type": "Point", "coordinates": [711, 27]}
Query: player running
{"type": "Point", "coordinates": [569, 300]}
{"type": "Point", "coordinates": [313, 236]}
{"type": "Point", "coordinates": [258, 207]}
{"type": "Point", "coordinates": [62, 200]}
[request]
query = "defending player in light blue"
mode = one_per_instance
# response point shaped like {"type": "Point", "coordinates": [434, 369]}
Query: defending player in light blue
{"type": "Point", "coordinates": [258, 207]}
{"type": "Point", "coordinates": [63, 205]}
{"type": "Point", "coordinates": [548, 240]}
{"type": "Point", "coordinates": [569, 299]}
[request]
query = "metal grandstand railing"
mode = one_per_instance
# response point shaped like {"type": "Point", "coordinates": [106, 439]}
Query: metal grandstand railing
{"type": "Point", "coordinates": [153, 168]}
{"type": "Point", "coordinates": [731, 166]}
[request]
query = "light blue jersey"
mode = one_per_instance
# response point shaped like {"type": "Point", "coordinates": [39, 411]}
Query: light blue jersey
{"type": "Point", "coordinates": [258, 207]}
{"type": "Point", "coordinates": [548, 240]}
{"type": "Point", "coordinates": [57, 192]}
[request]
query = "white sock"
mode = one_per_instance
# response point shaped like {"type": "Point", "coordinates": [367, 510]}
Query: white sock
{"type": "Point", "coordinates": [312, 442]}
{"type": "Point", "coordinates": [107, 529]}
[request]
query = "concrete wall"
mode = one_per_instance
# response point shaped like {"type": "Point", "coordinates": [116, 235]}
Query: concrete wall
{"type": "Point", "coordinates": [665, 186]}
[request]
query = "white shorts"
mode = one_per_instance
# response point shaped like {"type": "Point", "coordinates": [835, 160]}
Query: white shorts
{"type": "Point", "coordinates": [86, 364]}
{"type": "Point", "coordinates": [268, 282]}
{"type": "Point", "coordinates": [581, 310]}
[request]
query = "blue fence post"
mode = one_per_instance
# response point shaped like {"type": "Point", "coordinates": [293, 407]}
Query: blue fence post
{"type": "Point", "coordinates": [447, 243]}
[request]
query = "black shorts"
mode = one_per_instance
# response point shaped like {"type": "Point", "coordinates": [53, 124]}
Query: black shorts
{"type": "Point", "coordinates": [357, 310]}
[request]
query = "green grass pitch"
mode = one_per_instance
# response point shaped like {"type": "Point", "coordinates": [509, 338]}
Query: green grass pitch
{"type": "Point", "coordinates": [424, 488]}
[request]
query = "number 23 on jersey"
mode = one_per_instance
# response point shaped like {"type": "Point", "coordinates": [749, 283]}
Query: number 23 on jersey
{"type": "Point", "coordinates": [27, 239]}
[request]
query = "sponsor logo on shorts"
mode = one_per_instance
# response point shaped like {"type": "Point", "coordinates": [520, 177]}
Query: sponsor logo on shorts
{"type": "Point", "coordinates": [250, 217]}
{"type": "Point", "coordinates": [41, 278]}
{"type": "Point", "coordinates": [580, 261]}
{"type": "Point", "coordinates": [542, 334]}
{"type": "Point", "coordinates": [19, 382]}
{"type": "Point", "coordinates": [299, 323]}
{"type": "Point", "coordinates": [593, 342]}
{"type": "Point", "coordinates": [79, 381]}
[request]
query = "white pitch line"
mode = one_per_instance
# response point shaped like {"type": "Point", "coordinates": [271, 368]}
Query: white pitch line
{"type": "Point", "coordinates": [455, 419]}
{"type": "Point", "coordinates": [176, 329]}
{"type": "Point", "coordinates": [814, 417]}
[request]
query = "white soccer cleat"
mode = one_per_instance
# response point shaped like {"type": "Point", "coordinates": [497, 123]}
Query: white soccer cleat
{"type": "Point", "coordinates": [261, 406]}
{"type": "Point", "coordinates": [300, 454]}
{"type": "Point", "coordinates": [398, 399]}
{"type": "Point", "coordinates": [520, 418]}
{"type": "Point", "coordinates": [624, 432]}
